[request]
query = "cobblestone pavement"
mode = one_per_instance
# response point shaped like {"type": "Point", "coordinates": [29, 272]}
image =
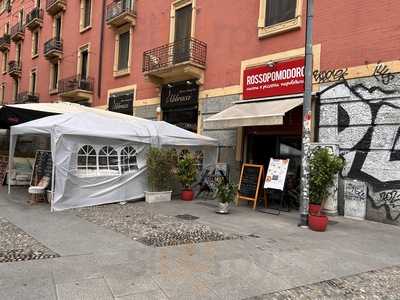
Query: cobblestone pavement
{"type": "Point", "coordinates": [380, 284]}
{"type": "Point", "coordinates": [17, 245]}
{"type": "Point", "coordinates": [139, 222]}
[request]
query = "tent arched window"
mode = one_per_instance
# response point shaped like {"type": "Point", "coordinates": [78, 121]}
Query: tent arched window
{"type": "Point", "coordinates": [87, 160]}
{"type": "Point", "coordinates": [108, 160]}
{"type": "Point", "coordinates": [128, 159]}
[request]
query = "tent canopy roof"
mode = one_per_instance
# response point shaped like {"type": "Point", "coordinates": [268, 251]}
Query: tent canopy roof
{"type": "Point", "coordinates": [106, 124]}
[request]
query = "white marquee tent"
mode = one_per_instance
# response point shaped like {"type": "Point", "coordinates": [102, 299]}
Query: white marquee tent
{"type": "Point", "coordinates": [100, 157]}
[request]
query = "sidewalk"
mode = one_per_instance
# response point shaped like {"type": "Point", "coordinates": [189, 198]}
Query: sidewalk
{"type": "Point", "coordinates": [272, 254]}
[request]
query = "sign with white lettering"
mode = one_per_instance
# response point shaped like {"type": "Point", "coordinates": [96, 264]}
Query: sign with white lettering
{"type": "Point", "coordinates": [121, 102]}
{"type": "Point", "coordinates": [283, 78]}
{"type": "Point", "coordinates": [179, 94]}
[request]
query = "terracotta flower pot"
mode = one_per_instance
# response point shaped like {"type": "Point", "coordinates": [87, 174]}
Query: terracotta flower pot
{"type": "Point", "coordinates": [314, 209]}
{"type": "Point", "coordinates": [187, 194]}
{"type": "Point", "coordinates": [317, 223]}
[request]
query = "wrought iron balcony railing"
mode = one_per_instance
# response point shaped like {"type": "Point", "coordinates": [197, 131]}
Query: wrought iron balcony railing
{"type": "Point", "coordinates": [117, 8]}
{"type": "Point", "coordinates": [53, 44]}
{"type": "Point", "coordinates": [187, 50]}
{"type": "Point", "coordinates": [75, 83]}
{"type": "Point", "coordinates": [14, 68]}
{"type": "Point", "coordinates": [27, 97]}
{"type": "Point", "coordinates": [4, 42]}
{"type": "Point", "coordinates": [17, 29]}
{"type": "Point", "coordinates": [34, 17]}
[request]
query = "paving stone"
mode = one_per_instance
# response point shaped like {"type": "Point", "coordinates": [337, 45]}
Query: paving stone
{"type": "Point", "coordinates": [150, 295]}
{"type": "Point", "coordinates": [88, 289]}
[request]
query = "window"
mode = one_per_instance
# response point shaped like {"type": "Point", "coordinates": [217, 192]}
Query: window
{"type": "Point", "coordinates": [18, 48]}
{"type": "Point", "coordinates": [37, 3]}
{"type": "Point", "coordinates": [7, 28]}
{"type": "Point", "coordinates": [84, 62]}
{"type": "Point", "coordinates": [15, 89]}
{"type": "Point", "coordinates": [108, 159]}
{"type": "Point", "coordinates": [87, 160]}
{"type": "Point", "coordinates": [86, 12]}
{"type": "Point", "coordinates": [2, 93]}
{"type": "Point", "coordinates": [123, 51]}
{"type": "Point", "coordinates": [57, 27]}
{"type": "Point", "coordinates": [278, 16]}
{"type": "Point", "coordinates": [32, 83]}
{"type": "Point", "coordinates": [35, 43]}
{"type": "Point", "coordinates": [279, 11]}
{"type": "Point", "coordinates": [54, 72]}
{"type": "Point", "coordinates": [128, 160]}
{"type": "Point", "coordinates": [5, 62]}
{"type": "Point", "coordinates": [21, 17]}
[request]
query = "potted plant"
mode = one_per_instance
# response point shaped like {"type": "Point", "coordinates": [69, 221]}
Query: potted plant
{"type": "Point", "coordinates": [161, 169]}
{"type": "Point", "coordinates": [324, 165]}
{"type": "Point", "coordinates": [186, 173]}
{"type": "Point", "coordinates": [226, 193]}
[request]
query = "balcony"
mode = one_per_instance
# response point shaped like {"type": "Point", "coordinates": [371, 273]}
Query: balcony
{"type": "Point", "coordinates": [53, 49]}
{"type": "Point", "coordinates": [121, 12]}
{"type": "Point", "coordinates": [75, 88]}
{"type": "Point", "coordinates": [14, 69]}
{"type": "Point", "coordinates": [181, 60]}
{"type": "Point", "coordinates": [17, 32]}
{"type": "Point", "coordinates": [34, 19]}
{"type": "Point", "coordinates": [5, 42]}
{"type": "Point", "coordinates": [53, 7]}
{"type": "Point", "coordinates": [27, 97]}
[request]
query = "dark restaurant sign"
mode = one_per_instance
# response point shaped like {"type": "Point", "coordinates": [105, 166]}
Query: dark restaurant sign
{"type": "Point", "coordinates": [121, 103]}
{"type": "Point", "coordinates": [283, 78]}
{"type": "Point", "coordinates": [179, 95]}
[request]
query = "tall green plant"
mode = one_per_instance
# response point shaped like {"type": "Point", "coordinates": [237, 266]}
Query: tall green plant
{"type": "Point", "coordinates": [187, 170]}
{"type": "Point", "coordinates": [324, 165]}
{"type": "Point", "coordinates": [161, 169]}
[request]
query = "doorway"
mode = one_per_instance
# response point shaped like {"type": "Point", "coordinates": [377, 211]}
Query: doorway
{"type": "Point", "coordinates": [261, 148]}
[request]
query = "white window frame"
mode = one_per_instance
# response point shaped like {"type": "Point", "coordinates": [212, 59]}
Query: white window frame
{"type": "Point", "coordinates": [52, 90]}
{"type": "Point", "coordinates": [4, 67]}
{"type": "Point", "coordinates": [266, 31]}
{"type": "Point", "coordinates": [116, 71]}
{"type": "Point", "coordinates": [85, 170]}
{"type": "Point", "coordinates": [83, 28]}
{"type": "Point", "coordinates": [34, 55]}
{"type": "Point", "coordinates": [107, 152]}
{"type": "Point", "coordinates": [2, 93]}
{"type": "Point", "coordinates": [33, 89]}
{"type": "Point", "coordinates": [126, 154]}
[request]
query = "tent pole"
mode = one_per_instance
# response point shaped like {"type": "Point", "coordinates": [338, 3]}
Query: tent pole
{"type": "Point", "coordinates": [10, 160]}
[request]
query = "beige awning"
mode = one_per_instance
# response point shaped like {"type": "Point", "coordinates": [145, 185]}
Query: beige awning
{"type": "Point", "coordinates": [252, 114]}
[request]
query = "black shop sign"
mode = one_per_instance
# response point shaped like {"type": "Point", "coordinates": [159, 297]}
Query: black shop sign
{"type": "Point", "coordinates": [121, 103]}
{"type": "Point", "coordinates": [179, 94]}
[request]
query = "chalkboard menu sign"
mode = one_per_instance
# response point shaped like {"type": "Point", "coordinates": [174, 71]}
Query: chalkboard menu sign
{"type": "Point", "coordinates": [121, 103]}
{"type": "Point", "coordinates": [249, 184]}
{"type": "Point", "coordinates": [43, 166]}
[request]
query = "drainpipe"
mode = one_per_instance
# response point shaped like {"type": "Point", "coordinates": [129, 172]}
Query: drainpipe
{"type": "Point", "coordinates": [100, 70]}
{"type": "Point", "coordinates": [305, 170]}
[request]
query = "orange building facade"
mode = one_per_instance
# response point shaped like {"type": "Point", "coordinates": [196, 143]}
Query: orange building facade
{"type": "Point", "coordinates": [185, 61]}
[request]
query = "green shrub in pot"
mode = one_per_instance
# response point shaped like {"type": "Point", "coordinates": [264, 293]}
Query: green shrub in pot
{"type": "Point", "coordinates": [186, 174]}
{"type": "Point", "coordinates": [324, 165]}
{"type": "Point", "coordinates": [161, 171]}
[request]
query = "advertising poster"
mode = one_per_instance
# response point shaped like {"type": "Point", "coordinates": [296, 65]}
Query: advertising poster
{"type": "Point", "coordinates": [276, 174]}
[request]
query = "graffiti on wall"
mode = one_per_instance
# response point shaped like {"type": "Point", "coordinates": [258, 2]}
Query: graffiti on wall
{"type": "Point", "coordinates": [329, 75]}
{"type": "Point", "coordinates": [368, 133]}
